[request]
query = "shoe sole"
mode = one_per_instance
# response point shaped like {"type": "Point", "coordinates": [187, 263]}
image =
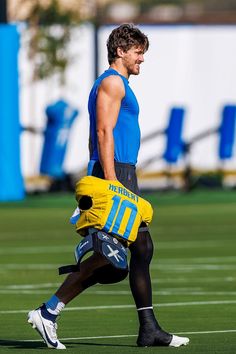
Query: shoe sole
{"type": "Point", "coordinates": [36, 322]}
{"type": "Point", "coordinates": [175, 343]}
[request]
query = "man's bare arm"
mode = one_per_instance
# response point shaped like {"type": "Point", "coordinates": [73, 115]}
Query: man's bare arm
{"type": "Point", "coordinates": [110, 94]}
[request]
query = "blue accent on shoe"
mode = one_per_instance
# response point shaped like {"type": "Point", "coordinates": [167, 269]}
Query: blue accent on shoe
{"type": "Point", "coordinates": [54, 344]}
{"type": "Point", "coordinates": [46, 314]}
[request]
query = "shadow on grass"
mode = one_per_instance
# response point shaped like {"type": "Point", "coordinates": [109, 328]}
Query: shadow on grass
{"type": "Point", "coordinates": [20, 344]}
{"type": "Point", "coordinates": [104, 344]}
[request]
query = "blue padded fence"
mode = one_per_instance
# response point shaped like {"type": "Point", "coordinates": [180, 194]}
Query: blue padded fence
{"type": "Point", "coordinates": [174, 144]}
{"type": "Point", "coordinates": [11, 181]}
{"type": "Point", "coordinates": [60, 117]}
{"type": "Point", "coordinates": [227, 132]}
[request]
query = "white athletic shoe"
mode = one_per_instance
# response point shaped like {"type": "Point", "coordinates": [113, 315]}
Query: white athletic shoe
{"type": "Point", "coordinates": [178, 341]}
{"type": "Point", "coordinates": [46, 328]}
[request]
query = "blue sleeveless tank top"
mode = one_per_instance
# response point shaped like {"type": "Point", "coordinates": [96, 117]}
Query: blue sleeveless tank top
{"type": "Point", "coordinates": [126, 132]}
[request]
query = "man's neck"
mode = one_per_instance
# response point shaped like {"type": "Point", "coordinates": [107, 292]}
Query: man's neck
{"type": "Point", "coordinates": [120, 69]}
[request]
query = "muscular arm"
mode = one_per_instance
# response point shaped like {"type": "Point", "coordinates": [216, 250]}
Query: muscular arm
{"type": "Point", "coordinates": [110, 94]}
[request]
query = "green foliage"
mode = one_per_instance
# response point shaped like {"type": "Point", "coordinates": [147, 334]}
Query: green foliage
{"type": "Point", "coordinates": [52, 14]}
{"type": "Point", "coordinates": [50, 34]}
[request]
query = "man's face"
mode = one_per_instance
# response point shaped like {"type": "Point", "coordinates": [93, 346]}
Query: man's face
{"type": "Point", "coordinates": [132, 60]}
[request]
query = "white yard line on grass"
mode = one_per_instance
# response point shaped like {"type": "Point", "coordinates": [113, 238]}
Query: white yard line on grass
{"type": "Point", "coordinates": [203, 244]}
{"type": "Point", "coordinates": [192, 267]}
{"type": "Point", "coordinates": [122, 292]}
{"type": "Point", "coordinates": [132, 335]}
{"type": "Point", "coordinates": [25, 292]}
{"type": "Point", "coordinates": [28, 266]}
{"type": "Point", "coordinates": [28, 286]}
{"type": "Point", "coordinates": [204, 280]}
{"type": "Point", "coordinates": [173, 280]}
{"type": "Point", "coordinates": [191, 260]}
{"type": "Point", "coordinates": [108, 307]}
{"type": "Point", "coordinates": [163, 267]}
{"type": "Point", "coordinates": [36, 250]}
{"type": "Point", "coordinates": [68, 248]}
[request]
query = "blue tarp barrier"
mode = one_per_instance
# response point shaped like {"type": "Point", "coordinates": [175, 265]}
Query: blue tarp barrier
{"type": "Point", "coordinates": [227, 132]}
{"type": "Point", "coordinates": [60, 117]}
{"type": "Point", "coordinates": [11, 181]}
{"type": "Point", "coordinates": [174, 145]}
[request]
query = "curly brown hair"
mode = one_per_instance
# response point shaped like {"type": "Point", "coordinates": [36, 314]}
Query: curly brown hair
{"type": "Point", "coordinates": [125, 37]}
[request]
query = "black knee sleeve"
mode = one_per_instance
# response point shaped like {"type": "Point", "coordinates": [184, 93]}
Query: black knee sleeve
{"type": "Point", "coordinates": [142, 248]}
{"type": "Point", "coordinates": [140, 282]}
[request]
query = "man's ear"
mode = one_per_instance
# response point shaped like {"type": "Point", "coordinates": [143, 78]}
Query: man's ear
{"type": "Point", "coordinates": [120, 52]}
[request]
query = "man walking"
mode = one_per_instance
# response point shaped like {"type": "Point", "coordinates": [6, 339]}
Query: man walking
{"type": "Point", "coordinates": [114, 145]}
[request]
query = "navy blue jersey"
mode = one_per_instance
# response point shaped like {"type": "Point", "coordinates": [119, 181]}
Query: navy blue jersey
{"type": "Point", "coordinates": [126, 132]}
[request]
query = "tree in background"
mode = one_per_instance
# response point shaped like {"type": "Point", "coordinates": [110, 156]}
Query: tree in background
{"type": "Point", "coordinates": [50, 31]}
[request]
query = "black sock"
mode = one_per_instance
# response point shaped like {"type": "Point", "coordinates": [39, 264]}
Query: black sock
{"type": "Point", "coordinates": [150, 332]}
{"type": "Point", "coordinates": [147, 318]}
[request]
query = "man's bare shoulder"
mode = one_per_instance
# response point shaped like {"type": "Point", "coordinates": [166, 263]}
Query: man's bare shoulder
{"type": "Point", "coordinates": [113, 85]}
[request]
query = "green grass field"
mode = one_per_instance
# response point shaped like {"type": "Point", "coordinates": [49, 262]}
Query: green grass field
{"type": "Point", "coordinates": [193, 272]}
